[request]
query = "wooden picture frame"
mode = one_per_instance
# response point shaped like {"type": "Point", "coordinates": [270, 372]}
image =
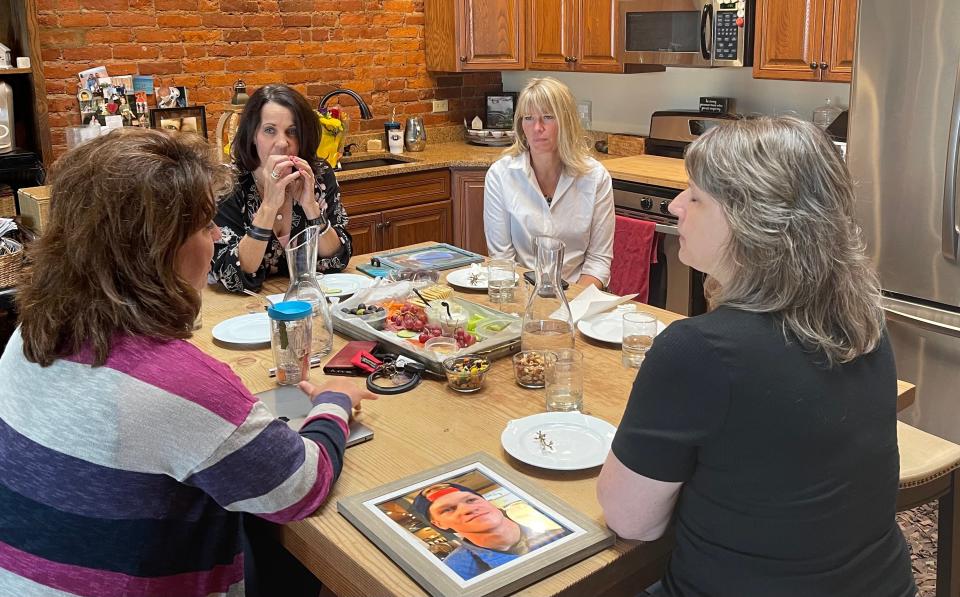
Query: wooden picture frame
{"type": "Point", "coordinates": [189, 119]}
{"type": "Point", "coordinates": [395, 520]}
{"type": "Point", "coordinates": [500, 108]}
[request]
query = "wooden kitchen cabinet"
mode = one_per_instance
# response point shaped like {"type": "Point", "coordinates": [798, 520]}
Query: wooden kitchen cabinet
{"type": "Point", "coordinates": [805, 40]}
{"type": "Point", "coordinates": [572, 35]}
{"type": "Point", "coordinates": [471, 35]}
{"type": "Point", "coordinates": [19, 31]}
{"type": "Point", "coordinates": [387, 212]}
{"type": "Point", "coordinates": [468, 210]}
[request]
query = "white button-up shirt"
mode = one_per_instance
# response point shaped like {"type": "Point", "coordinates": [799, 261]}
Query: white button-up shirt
{"type": "Point", "coordinates": [581, 215]}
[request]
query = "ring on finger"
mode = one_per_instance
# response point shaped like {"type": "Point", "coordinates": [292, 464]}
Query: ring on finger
{"type": "Point", "coordinates": [274, 175]}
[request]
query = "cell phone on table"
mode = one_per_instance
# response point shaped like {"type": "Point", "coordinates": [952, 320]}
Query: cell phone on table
{"type": "Point", "coordinates": [532, 278]}
{"type": "Point", "coordinates": [292, 405]}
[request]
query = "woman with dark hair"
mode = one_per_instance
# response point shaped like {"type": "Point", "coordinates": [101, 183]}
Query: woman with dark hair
{"type": "Point", "coordinates": [127, 455]}
{"type": "Point", "coordinates": [282, 188]}
{"type": "Point", "coordinates": [766, 430]}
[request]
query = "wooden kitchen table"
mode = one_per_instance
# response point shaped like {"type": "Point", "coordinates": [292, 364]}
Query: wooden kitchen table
{"type": "Point", "coordinates": [432, 425]}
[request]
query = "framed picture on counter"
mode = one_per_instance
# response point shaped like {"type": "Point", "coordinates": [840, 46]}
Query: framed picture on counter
{"type": "Point", "coordinates": [192, 119]}
{"type": "Point", "coordinates": [500, 109]}
{"type": "Point", "coordinates": [473, 527]}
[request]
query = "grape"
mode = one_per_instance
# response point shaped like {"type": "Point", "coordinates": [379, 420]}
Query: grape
{"type": "Point", "coordinates": [423, 338]}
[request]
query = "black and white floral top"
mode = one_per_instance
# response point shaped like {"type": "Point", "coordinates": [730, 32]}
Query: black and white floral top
{"type": "Point", "coordinates": [236, 213]}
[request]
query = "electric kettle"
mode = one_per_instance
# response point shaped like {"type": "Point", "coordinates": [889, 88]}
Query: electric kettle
{"type": "Point", "coordinates": [415, 135]}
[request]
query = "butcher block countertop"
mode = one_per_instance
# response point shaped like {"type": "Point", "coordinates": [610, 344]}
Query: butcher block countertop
{"type": "Point", "coordinates": [649, 169]}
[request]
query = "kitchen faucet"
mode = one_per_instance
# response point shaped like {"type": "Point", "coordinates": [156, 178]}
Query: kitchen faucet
{"type": "Point", "coordinates": [365, 112]}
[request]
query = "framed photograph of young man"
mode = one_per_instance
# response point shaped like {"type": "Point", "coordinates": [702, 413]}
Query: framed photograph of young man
{"type": "Point", "coordinates": [500, 108]}
{"type": "Point", "coordinates": [192, 119]}
{"type": "Point", "coordinates": [473, 528]}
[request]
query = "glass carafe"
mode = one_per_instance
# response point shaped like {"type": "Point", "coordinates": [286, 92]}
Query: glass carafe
{"type": "Point", "coordinates": [305, 286]}
{"type": "Point", "coordinates": [547, 321]}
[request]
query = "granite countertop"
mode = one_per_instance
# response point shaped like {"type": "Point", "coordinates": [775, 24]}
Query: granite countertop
{"type": "Point", "coordinates": [452, 154]}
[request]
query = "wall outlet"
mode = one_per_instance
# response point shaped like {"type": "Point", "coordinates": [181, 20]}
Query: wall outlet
{"type": "Point", "coordinates": [441, 105]}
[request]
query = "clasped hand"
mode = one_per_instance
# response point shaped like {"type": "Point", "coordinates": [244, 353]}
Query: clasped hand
{"type": "Point", "coordinates": [289, 173]}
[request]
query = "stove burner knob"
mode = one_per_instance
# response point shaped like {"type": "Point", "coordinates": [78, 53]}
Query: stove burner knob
{"type": "Point", "coordinates": [646, 203]}
{"type": "Point", "coordinates": [664, 207]}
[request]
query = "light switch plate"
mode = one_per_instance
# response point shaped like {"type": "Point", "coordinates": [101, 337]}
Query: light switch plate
{"type": "Point", "coordinates": [441, 105]}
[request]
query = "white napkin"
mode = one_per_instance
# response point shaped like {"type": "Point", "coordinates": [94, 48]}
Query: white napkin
{"type": "Point", "coordinates": [593, 300]}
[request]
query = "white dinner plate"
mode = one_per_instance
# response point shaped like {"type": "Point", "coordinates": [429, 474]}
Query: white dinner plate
{"type": "Point", "coordinates": [461, 278]}
{"type": "Point", "coordinates": [251, 330]}
{"type": "Point", "coordinates": [343, 285]}
{"type": "Point", "coordinates": [335, 285]}
{"type": "Point", "coordinates": [573, 440]}
{"type": "Point", "coordinates": [607, 327]}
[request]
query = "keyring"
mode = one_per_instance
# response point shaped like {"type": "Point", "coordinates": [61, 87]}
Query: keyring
{"type": "Point", "coordinates": [388, 378]}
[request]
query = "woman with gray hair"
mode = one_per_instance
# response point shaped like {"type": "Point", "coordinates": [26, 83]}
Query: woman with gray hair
{"type": "Point", "coordinates": [766, 429]}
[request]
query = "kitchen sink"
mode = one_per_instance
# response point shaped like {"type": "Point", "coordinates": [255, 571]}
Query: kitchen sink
{"type": "Point", "coordinates": [371, 163]}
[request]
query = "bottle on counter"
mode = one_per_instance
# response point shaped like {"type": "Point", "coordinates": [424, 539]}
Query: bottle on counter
{"type": "Point", "coordinates": [825, 114]}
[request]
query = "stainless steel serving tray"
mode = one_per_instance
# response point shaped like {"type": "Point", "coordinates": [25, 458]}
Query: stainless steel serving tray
{"type": "Point", "coordinates": [501, 345]}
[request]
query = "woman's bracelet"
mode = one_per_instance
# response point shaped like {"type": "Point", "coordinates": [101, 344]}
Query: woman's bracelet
{"type": "Point", "coordinates": [258, 233]}
{"type": "Point", "coordinates": [318, 221]}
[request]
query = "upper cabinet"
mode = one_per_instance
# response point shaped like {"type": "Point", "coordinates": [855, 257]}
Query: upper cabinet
{"type": "Point", "coordinates": [572, 35]}
{"type": "Point", "coordinates": [805, 40]}
{"type": "Point", "coordinates": [469, 35]}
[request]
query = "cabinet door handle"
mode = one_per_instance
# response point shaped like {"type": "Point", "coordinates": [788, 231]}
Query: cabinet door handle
{"type": "Point", "coordinates": [813, 66]}
{"type": "Point", "coordinates": [573, 59]}
{"type": "Point", "coordinates": [823, 66]}
{"type": "Point", "coordinates": [463, 59]}
{"type": "Point", "coordinates": [379, 225]}
{"type": "Point", "coordinates": [386, 224]}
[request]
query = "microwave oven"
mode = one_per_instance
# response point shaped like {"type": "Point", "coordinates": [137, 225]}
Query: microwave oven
{"type": "Point", "coordinates": [696, 33]}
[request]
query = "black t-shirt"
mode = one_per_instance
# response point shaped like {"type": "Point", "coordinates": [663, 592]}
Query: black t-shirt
{"type": "Point", "coordinates": [790, 469]}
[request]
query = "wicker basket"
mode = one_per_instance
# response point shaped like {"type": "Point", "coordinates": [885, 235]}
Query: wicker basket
{"type": "Point", "coordinates": [10, 267]}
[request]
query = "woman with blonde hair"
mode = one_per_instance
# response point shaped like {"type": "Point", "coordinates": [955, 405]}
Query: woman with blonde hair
{"type": "Point", "coordinates": [127, 455]}
{"type": "Point", "coordinates": [766, 429]}
{"type": "Point", "coordinates": [547, 184]}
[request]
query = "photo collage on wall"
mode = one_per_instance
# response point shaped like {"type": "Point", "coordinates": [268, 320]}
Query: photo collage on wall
{"type": "Point", "coordinates": [127, 97]}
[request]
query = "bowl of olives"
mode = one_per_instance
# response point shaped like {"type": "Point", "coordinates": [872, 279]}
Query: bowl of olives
{"type": "Point", "coordinates": [373, 315]}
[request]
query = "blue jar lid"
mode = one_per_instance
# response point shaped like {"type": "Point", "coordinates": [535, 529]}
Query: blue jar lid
{"type": "Point", "coordinates": [391, 125]}
{"type": "Point", "coordinates": [290, 310]}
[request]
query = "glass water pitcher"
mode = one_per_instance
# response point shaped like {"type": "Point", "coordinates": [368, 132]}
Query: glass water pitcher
{"type": "Point", "coordinates": [305, 286]}
{"type": "Point", "coordinates": [547, 321]}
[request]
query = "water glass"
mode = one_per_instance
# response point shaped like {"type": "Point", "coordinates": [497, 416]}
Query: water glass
{"type": "Point", "coordinates": [639, 329]}
{"type": "Point", "coordinates": [563, 380]}
{"type": "Point", "coordinates": [501, 280]}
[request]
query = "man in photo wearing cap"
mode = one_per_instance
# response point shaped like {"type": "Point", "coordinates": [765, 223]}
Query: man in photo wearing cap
{"type": "Point", "coordinates": [489, 537]}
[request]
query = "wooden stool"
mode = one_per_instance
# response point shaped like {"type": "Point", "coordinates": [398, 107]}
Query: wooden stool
{"type": "Point", "coordinates": [930, 470]}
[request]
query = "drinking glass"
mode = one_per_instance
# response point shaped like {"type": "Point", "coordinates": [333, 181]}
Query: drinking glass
{"type": "Point", "coordinates": [501, 280]}
{"type": "Point", "coordinates": [639, 329]}
{"type": "Point", "coordinates": [563, 379]}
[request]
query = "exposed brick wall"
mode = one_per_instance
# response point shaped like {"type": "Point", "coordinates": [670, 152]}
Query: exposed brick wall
{"type": "Point", "coordinates": [374, 47]}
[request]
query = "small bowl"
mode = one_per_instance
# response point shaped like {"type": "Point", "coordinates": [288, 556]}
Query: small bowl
{"type": "Point", "coordinates": [466, 373]}
{"type": "Point", "coordinates": [492, 327]}
{"type": "Point", "coordinates": [528, 368]}
{"type": "Point", "coordinates": [441, 346]}
{"type": "Point", "coordinates": [374, 320]}
{"type": "Point", "coordinates": [418, 277]}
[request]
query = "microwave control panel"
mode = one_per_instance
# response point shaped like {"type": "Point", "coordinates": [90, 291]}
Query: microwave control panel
{"type": "Point", "coordinates": [729, 23]}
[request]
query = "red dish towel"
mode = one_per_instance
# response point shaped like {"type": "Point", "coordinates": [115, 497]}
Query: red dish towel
{"type": "Point", "coordinates": [634, 249]}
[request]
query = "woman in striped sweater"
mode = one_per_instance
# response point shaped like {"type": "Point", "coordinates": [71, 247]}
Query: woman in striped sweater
{"type": "Point", "coordinates": [127, 456]}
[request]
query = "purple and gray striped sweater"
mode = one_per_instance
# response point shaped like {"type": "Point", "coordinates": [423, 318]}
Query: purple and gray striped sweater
{"type": "Point", "coordinates": [129, 479]}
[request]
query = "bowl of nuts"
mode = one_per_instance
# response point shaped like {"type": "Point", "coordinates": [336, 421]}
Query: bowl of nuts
{"type": "Point", "coordinates": [528, 368]}
{"type": "Point", "coordinates": [465, 373]}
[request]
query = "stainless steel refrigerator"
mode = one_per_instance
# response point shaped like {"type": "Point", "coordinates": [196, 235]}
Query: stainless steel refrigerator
{"type": "Point", "coordinates": [902, 152]}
